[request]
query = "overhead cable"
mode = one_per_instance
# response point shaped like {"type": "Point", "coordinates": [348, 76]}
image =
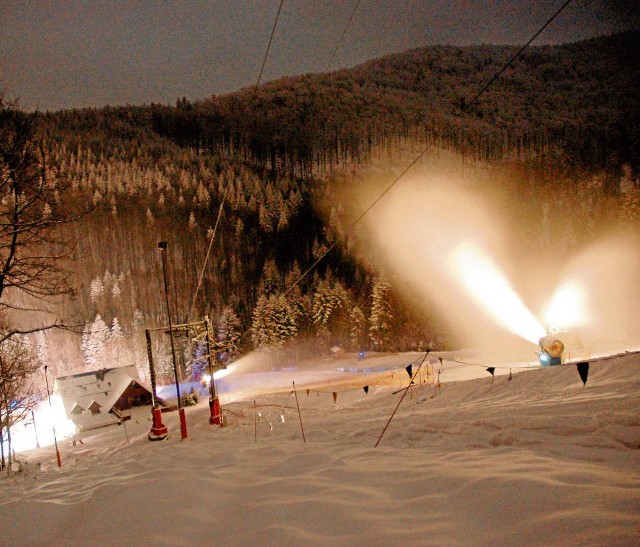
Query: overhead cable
{"type": "Point", "coordinates": [471, 101]}
{"type": "Point", "coordinates": [355, 7]}
{"type": "Point", "coordinates": [266, 53]}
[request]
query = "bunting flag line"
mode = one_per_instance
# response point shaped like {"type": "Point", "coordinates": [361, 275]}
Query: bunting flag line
{"type": "Point", "coordinates": [366, 389]}
{"type": "Point", "coordinates": [335, 396]}
{"type": "Point", "coordinates": [401, 399]}
{"type": "Point", "coordinates": [409, 369]}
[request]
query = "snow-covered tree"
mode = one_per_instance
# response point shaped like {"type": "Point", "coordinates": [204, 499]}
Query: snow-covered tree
{"type": "Point", "coordinates": [261, 323]}
{"type": "Point", "coordinates": [94, 343]}
{"type": "Point", "coordinates": [273, 322]}
{"type": "Point", "coordinates": [284, 323]}
{"type": "Point", "coordinates": [381, 315]}
{"type": "Point", "coordinates": [330, 305]}
{"type": "Point", "coordinates": [229, 332]}
{"type": "Point", "coordinates": [96, 289]}
{"type": "Point", "coordinates": [137, 320]}
{"type": "Point", "coordinates": [42, 348]}
{"type": "Point", "coordinates": [116, 343]}
{"type": "Point", "coordinates": [358, 328]}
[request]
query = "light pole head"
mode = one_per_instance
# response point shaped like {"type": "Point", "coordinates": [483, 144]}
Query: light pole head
{"type": "Point", "coordinates": [162, 245]}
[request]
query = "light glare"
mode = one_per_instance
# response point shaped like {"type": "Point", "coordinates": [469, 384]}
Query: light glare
{"type": "Point", "coordinates": [567, 307]}
{"type": "Point", "coordinates": [221, 373]}
{"type": "Point", "coordinates": [489, 288]}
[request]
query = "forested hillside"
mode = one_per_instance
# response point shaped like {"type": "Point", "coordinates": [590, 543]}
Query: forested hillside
{"type": "Point", "coordinates": [561, 124]}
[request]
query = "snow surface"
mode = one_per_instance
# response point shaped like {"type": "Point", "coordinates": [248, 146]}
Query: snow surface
{"type": "Point", "coordinates": [537, 460]}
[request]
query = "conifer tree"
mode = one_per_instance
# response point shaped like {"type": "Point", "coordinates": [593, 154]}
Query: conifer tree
{"type": "Point", "coordinates": [381, 318]}
{"type": "Point", "coordinates": [94, 343]}
{"type": "Point", "coordinates": [229, 332]}
{"type": "Point", "coordinates": [330, 303]}
{"type": "Point", "coordinates": [358, 328]}
{"type": "Point", "coordinates": [270, 277]}
{"type": "Point", "coordinates": [260, 323]}
{"type": "Point", "coordinates": [116, 343]}
{"type": "Point", "coordinates": [273, 322]}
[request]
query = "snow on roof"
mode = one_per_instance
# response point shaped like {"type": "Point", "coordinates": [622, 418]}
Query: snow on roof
{"type": "Point", "coordinates": [103, 387]}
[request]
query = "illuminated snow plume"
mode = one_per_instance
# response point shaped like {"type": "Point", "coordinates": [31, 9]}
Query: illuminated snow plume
{"type": "Point", "coordinates": [255, 361]}
{"type": "Point", "coordinates": [415, 230]}
{"type": "Point", "coordinates": [568, 307]}
{"type": "Point", "coordinates": [218, 374]}
{"type": "Point", "coordinates": [25, 437]}
{"type": "Point", "coordinates": [419, 235]}
{"type": "Point", "coordinates": [490, 289]}
{"type": "Point", "coordinates": [606, 280]}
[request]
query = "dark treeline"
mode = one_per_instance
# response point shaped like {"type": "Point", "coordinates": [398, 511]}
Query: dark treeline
{"type": "Point", "coordinates": [581, 96]}
{"type": "Point", "coordinates": [272, 154]}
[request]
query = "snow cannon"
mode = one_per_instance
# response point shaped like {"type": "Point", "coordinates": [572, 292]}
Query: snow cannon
{"type": "Point", "coordinates": [551, 349]}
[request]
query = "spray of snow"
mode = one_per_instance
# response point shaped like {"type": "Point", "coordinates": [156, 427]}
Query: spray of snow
{"type": "Point", "coordinates": [46, 421]}
{"type": "Point", "coordinates": [485, 284]}
{"type": "Point", "coordinates": [444, 241]}
{"type": "Point", "coordinates": [568, 308]}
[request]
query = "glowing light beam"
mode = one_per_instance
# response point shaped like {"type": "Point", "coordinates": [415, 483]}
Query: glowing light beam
{"type": "Point", "coordinates": [487, 286]}
{"type": "Point", "coordinates": [568, 307]}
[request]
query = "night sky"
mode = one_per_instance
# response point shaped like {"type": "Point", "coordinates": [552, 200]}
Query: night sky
{"type": "Point", "coordinates": [77, 53]}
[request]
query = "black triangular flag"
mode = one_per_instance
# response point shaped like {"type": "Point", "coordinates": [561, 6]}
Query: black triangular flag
{"type": "Point", "coordinates": [409, 369]}
{"type": "Point", "coordinates": [583, 371]}
{"type": "Point", "coordinates": [491, 370]}
{"type": "Point", "coordinates": [366, 389]}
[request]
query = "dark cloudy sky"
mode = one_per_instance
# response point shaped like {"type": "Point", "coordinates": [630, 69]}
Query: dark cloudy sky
{"type": "Point", "coordinates": [72, 53]}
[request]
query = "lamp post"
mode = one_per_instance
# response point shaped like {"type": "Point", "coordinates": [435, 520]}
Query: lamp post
{"type": "Point", "coordinates": [35, 431]}
{"type": "Point", "coordinates": [55, 440]}
{"type": "Point", "coordinates": [215, 414]}
{"type": "Point", "coordinates": [183, 422]}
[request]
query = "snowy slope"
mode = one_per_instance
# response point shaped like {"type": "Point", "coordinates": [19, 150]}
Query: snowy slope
{"type": "Point", "coordinates": [540, 459]}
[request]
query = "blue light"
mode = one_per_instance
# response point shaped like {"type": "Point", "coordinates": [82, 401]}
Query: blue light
{"type": "Point", "coordinates": [547, 361]}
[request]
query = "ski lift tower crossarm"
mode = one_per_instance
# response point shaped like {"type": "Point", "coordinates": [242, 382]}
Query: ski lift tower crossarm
{"type": "Point", "coordinates": [197, 331]}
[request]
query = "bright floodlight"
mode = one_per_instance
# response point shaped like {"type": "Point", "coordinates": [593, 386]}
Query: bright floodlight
{"type": "Point", "coordinates": [568, 306]}
{"type": "Point", "coordinates": [490, 289]}
{"type": "Point", "coordinates": [23, 436]}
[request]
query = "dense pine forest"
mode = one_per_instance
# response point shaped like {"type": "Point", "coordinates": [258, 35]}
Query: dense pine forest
{"type": "Point", "coordinates": [250, 187]}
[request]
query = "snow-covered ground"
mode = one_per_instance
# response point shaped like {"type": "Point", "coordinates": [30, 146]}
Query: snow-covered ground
{"type": "Point", "coordinates": [536, 460]}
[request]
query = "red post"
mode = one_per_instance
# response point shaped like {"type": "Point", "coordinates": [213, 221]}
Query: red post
{"type": "Point", "coordinates": [158, 429]}
{"type": "Point", "coordinates": [216, 415]}
{"type": "Point", "coordinates": [183, 424]}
